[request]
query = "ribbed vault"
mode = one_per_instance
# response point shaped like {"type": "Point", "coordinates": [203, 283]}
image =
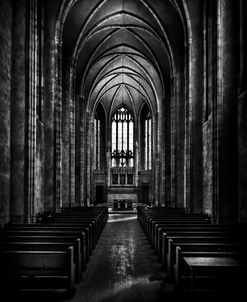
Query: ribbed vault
{"type": "Point", "coordinates": [123, 50]}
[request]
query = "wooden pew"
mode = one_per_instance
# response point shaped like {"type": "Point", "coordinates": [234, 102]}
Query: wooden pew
{"type": "Point", "coordinates": [188, 228]}
{"type": "Point", "coordinates": [58, 226]}
{"type": "Point", "coordinates": [33, 245]}
{"type": "Point", "coordinates": [153, 221]}
{"type": "Point", "coordinates": [146, 216]}
{"type": "Point", "coordinates": [52, 239]}
{"type": "Point", "coordinates": [37, 270]}
{"type": "Point", "coordinates": [88, 222]}
{"type": "Point", "coordinates": [156, 226]}
{"type": "Point", "coordinates": [198, 251]}
{"type": "Point", "coordinates": [87, 227]}
{"type": "Point", "coordinates": [226, 273]}
{"type": "Point", "coordinates": [217, 242]}
{"type": "Point", "coordinates": [54, 236]}
{"type": "Point", "coordinates": [162, 243]}
{"type": "Point", "coordinates": [82, 233]}
{"type": "Point", "coordinates": [161, 226]}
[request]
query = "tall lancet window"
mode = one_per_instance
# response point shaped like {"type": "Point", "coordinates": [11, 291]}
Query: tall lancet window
{"type": "Point", "coordinates": [99, 146]}
{"type": "Point", "coordinates": [122, 138]}
{"type": "Point", "coordinates": [97, 141]}
{"type": "Point", "coordinates": [148, 142]}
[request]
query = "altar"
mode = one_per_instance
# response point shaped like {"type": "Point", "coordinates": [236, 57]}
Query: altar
{"type": "Point", "coordinates": [122, 204]}
{"type": "Point", "coordinates": [122, 199]}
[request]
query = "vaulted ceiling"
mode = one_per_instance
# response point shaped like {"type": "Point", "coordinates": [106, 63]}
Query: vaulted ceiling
{"type": "Point", "coordinates": [124, 51]}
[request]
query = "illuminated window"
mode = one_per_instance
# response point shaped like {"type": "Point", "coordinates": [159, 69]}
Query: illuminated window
{"type": "Point", "coordinates": [97, 142]}
{"type": "Point", "coordinates": [122, 139]}
{"type": "Point", "coordinates": [148, 142]}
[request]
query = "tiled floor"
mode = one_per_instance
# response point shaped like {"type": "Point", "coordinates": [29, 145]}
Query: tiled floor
{"type": "Point", "coordinates": [122, 267]}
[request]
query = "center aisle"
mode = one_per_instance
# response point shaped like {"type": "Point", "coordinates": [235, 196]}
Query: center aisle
{"type": "Point", "coordinates": [123, 266]}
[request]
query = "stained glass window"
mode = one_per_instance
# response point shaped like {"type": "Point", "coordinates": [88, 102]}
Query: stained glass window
{"type": "Point", "coordinates": [122, 138]}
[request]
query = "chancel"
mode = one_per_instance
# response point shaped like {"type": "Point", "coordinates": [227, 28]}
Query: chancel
{"type": "Point", "coordinates": [123, 173]}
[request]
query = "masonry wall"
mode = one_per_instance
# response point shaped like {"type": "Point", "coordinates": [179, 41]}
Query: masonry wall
{"type": "Point", "coordinates": [18, 110]}
{"type": "Point", "coordinates": [242, 114]}
{"type": "Point", "coordinates": [5, 101]}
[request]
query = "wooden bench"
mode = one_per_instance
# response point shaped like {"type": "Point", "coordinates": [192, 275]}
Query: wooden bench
{"type": "Point", "coordinates": [223, 272]}
{"type": "Point", "coordinates": [71, 221]}
{"type": "Point", "coordinates": [146, 219]}
{"type": "Point", "coordinates": [166, 231]}
{"type": "Point", "coordinates": [153, 221]}
{"type": "Point", "coordinates": [162, 243]}
{"type": "Point", "coordinates": [33, 245]}
{"type": "Point", "coordinates": [86, 227]}
{"type": "Point", "coordinates": [83, 235]}
{"type": "Point", "coordinates": [90, 223]}
{"type": "Point", "coordinates": [49, 238]}
{"type": "Point", "coordinates": [155, 226]}
{"type": "Point", "coordinates": [196, 251]}
{"type": "Point", "coordinates": [52, 254]}
{"type": "Point", "coordinates": [58, 226]}
{"type": "Point", "coordinates": [37, 270]}
{"type": "Point", "coordinates": [219, 243]}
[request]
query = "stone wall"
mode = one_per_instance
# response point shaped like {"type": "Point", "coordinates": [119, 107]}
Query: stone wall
{"type": "Point", "coordinates": [5, 101]}
{"type": "Point", "coordinates": [39, 170]}
{"type": "Point", "coordinates": [18, 93]}
{"type": "Point", "coordinates": [49, 103]}
{"type": "Point", "coordinates": [242, 115]}
{"type": "Point", "coordinates": [242, 144]}
{"type": "Point", "coordinates": [207, 167]}
{"type": "Point", "coordinates": [193, 148]}
{"type": "Point", "coordinates": [178, 182]}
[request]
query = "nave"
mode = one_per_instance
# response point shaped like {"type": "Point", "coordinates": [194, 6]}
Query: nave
{"type": "Point", "coordinates": [116, 104]}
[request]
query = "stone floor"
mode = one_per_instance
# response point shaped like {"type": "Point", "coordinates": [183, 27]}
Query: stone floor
{"type": "Point", "coordinates": [122, 267]}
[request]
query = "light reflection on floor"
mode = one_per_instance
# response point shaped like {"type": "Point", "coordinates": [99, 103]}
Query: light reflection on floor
{"type": "Point", "coordinates": [122, 219]}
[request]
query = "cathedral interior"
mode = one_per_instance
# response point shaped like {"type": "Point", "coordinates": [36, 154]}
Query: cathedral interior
{"type": "Point", "coordinates": [124, 113]}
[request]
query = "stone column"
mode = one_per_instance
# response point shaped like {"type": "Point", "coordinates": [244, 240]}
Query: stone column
{"type": "Point", "coordinates": [66, 140]}
{"type": "Point", "coordinates": [242, 112]}
{"type": "Point", "coordinates": [173, 141]}
{"type": "Point", "coordinates": [88, 159]}
{"type": "Point", "coordinates": [31, 108]}
{"type": "Point", "coordinates": [242, 144]}
{"type": "Point", "coordinates": [225, 122]}
{"type": "Point", "coordinates": [167, 137]}
{"type": "Point", "coordinates": [18, 112]}
{"type": "Point", "coordinates": [5, 101]}
{"type": "Point", "coordinates": [157, 158]}
{"type": "Point", "coordinates": [197, 107]}
{"type": "Point", "coordinates": [210, 94]}
{"type": "Point", "coordinates": [82, 152]}
{"type": "Point", "coordinates": [187, 129]}
{"type": "Point", "coordinates": [78, 197]}
{"type": "Point", "coordinates": [177, 168]}
{"type": "Point", "coordinates": [72, 151]}
{"type": "Point", "coordinates": [58, 124]}
{"type": "Point", "coordinates": [49, 101]}
{"type": "Point", "coordinates": [193, 144]}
